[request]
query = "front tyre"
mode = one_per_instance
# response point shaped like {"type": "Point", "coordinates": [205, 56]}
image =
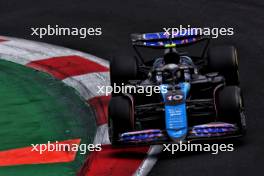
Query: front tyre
{"type": "Point", "coordinates": [224, 59]}
{"type": "Point", "coordinates": [230, 106]}
{"type": "Point", "coordinates": [121, 117]}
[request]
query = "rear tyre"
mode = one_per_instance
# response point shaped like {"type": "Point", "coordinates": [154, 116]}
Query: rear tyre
{"type": "Point", "coordinates": [230, 106]}
{"type": "Point", "coordinates": [223, 59]}
{"type": "Point", "coordinates": [121, 117]}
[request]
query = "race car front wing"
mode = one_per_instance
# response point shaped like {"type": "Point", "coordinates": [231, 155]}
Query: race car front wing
{"type": "Point", "coordinates": [204, 131]}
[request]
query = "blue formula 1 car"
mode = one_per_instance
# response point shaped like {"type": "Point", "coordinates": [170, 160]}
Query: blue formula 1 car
{"type": "Point", "coordinates": [193, 97]}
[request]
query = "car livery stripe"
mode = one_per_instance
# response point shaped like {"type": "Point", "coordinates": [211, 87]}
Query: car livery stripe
{"type": "Point", "coordinates": [45, 57]}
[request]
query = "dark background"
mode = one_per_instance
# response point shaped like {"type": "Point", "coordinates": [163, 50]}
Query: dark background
{"type": "Point", "coordinates": [120, 18]}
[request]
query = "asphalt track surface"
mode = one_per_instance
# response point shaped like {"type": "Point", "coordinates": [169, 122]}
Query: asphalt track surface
{"type": "Point", "coordinates": [120, 18]}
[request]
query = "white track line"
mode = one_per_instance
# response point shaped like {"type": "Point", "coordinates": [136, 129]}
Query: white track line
{"type": "Point", "coordinates": [101, 136]}
{"type": "Point", "coordinates": [149, 161]}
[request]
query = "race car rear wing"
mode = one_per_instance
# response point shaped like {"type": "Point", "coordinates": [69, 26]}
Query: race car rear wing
{"type": "Point", "coordinates": [165, 40]}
